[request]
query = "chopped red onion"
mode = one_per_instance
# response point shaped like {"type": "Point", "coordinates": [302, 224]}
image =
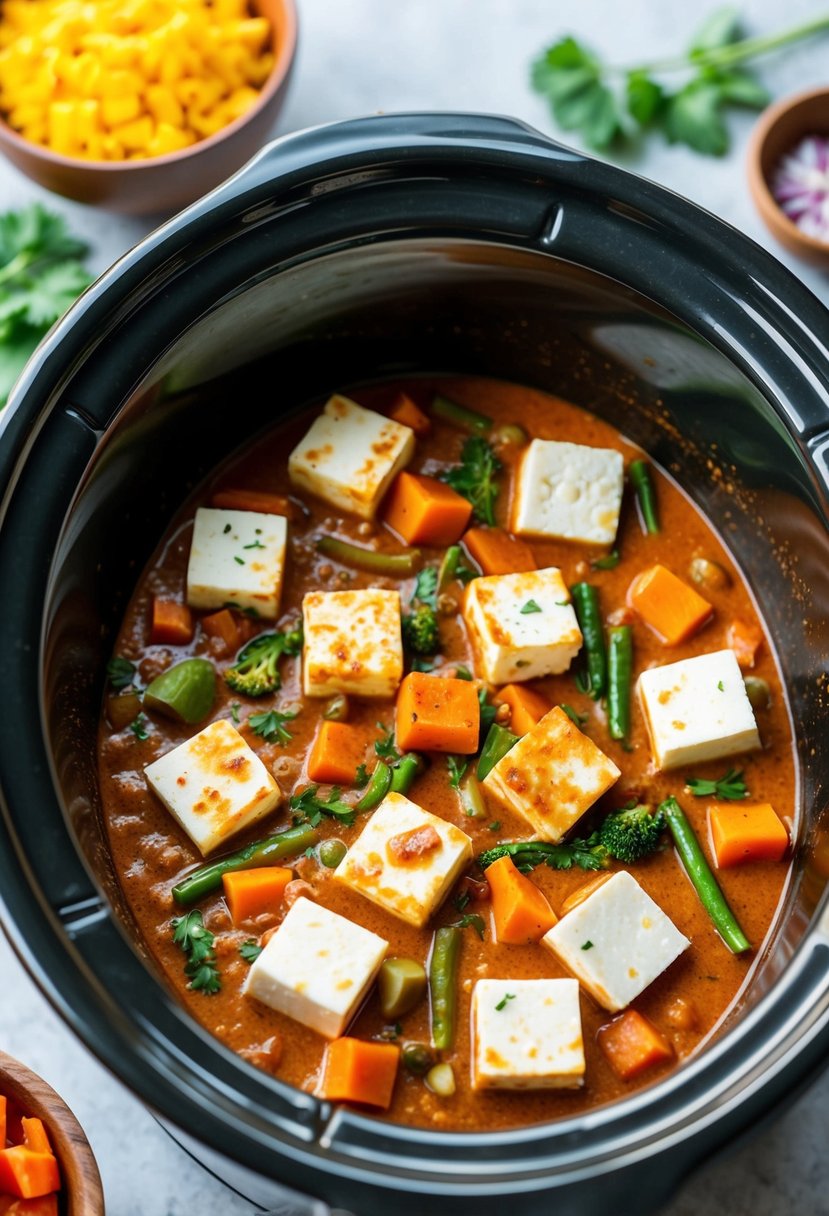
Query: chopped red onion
{"type": "Point", "coordinates": [800, 184]}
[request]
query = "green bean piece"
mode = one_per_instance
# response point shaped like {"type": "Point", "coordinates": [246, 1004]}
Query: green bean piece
{"type": "Point", "coordinates": [377, 788]}
{"type": "Point", "coordinates": [418, 1058]}
{"type": "Point", "coordinates": [443, 985]}
{"type": "Point", "coordinates": [405, 771]}
{"type": "Point", "coordinates": [642, 482]}
{"type": "Point", "coordinates": [619, 673]}
{"type": "Point", "coordinates": [449, 566]}
{"type": "Point", "coordinates": [586, 603]}
{"type": "Point", "coordinates": [265, 852]}
{"type": "Point", "coordinates": [184, 692]}
{"type": "Point", "coordinates": [331, 852]}
{"type": "Point", "coordinates": [401, 984]}
{"type": "Point", "coordinates": [498, 742]}
{"type": "Point", "coordinates": [472, 800]}
{"type": "Point", "coordinates": [337, 709]}
{"type": "Point", "coordinates": [702, 877]}
{"type": "Point", "coordinates": [460, 415]}
{"type": "Point", "coordinates": [395, 565]}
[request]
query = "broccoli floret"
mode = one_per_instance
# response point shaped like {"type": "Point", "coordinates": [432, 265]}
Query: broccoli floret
{"type": "Point", "coordinates": [256, 670]}
{"type": "Point", "coordinates": [420, 630]}
{"type": "Point", "coordinates": [632, 833]}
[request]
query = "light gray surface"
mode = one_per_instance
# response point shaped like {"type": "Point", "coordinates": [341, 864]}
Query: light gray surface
{"type": "Point", "coordinates": [356, 57]}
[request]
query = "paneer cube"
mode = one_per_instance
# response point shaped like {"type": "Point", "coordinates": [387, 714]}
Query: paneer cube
{"type": "Point", "coordinates": [405, 859]}
{"type": "Point", "coordinates": [352, 643]}
{"type": "Point", "coordinates": [350, 456]}
{"type": "Point", "coordinates": [551, 776]}
{"type": "Point", "coordinates": [237, 558]}
{"type": "Point", "coordinates": [214, 785]}
{"type": "Point", "coordinates": [568, 491]}
{"type": "Point", "coordinates": [316, 968]}
{"type": "Point", "coordinates": [522, 626]}
{"type": "Point", "coordinates": [697, 710]}
{"type": "Point", "coordinates": [526, 1034]}
{"type": "Point", "coordinates": [616, 941]}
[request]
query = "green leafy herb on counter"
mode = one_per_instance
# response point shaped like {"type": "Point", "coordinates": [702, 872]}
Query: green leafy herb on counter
{"type": "Point", "coordinates": [609, 104]}
{"type": "Point", "coordinates": [41, 274]}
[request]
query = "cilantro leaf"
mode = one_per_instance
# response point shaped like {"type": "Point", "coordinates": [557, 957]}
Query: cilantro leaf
{"type": "Point", "coordinates": [426, 586]}
{"type": "Point", "coordinates": [731, 787]}
{"type": "Point", "coordinates": [120, 672]}
{"type": "Point", "coordinates": [572, 78]}
{"type": "Point", "coordinates": [470, 920]}
{"type": "Point", "coordinates": [693, 117]}
{"type": "Point", "coordinates": [384, 747]}
{"type": "Point", "coordinates": [250, 950]}
{"type": "Point", "coordinates": [313, 809]}
{"type": "Point", "coordinates": [457, 766]}
{"type": "Point", "coordinates": [271, 727]}
{"type": "Point", "coordinates": [588, 853]}
{"type": "Point", "coordinates": [197, 942]}
{"type": "Point", "coordinates": [474, 478]}
{"type": "Point", "coordinates": [720, 28]}
{"type": "Point", "coordinates": [502, 1004]}
{"type": "Point", "coordinates": [644, 101]}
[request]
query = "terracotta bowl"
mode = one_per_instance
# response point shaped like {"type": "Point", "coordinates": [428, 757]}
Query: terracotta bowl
{"type": "Point", "coordinates": [167, 183]}
{"type": "Point", "coordinates": [82, 1193]}
{"type": "Point", "coordinates": [779, 129]}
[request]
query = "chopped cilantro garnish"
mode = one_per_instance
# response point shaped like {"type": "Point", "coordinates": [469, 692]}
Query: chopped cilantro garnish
{"type": "Point", "coordinates": [529, 607]}
{"type": "Point", "coordinates": [731, 787]}
{"type": "Point", "coordinates": [502, 1004]}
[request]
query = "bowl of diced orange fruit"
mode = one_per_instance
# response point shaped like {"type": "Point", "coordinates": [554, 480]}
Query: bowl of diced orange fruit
{"type": "Point", "coordinates": [47, 1167]}
{"type": "Point", "coordinates": [140, 106]}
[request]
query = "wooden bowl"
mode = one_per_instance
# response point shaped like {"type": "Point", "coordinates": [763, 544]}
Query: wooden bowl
{"type": "Point", "coordinates": [82, 1193]}
{"type": "Point", "coordinates": [779, 129]}
{"type": "Point", "coordinates": [167, 183]}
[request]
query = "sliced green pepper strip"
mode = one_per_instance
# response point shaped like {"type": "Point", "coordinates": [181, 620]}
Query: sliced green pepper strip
{"type": "Point", "coordinates": [498, 742]}
{"type": "Point", "coordinates": [619, 673]}
{"type": "Point", "coordinates": [405, 771]}
{"type": "Point", "coordinates": [586, 603]}
{"type": "Point", "coordinates": [642, 482]}
{"type": "Point", "coordinates": [395, 565]}
{"type": "Point", "coordinates": [184, 692]}
{"type": "Point", "coordinates": [266, 852]}
{"type": "Point", "coordinates": [377, 788]}
{"type": "Point", "coordinates": [443, 985]}
{"type": "Point", "coordinates": [459, 415]}
{"type": "Point", "coordinates": [702, 877]}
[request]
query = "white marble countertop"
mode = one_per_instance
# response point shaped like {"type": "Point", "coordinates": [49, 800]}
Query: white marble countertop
{"type": "Point", "coordinates": [357, 57]}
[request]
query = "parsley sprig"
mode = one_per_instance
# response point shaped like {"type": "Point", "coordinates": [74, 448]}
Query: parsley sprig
{"type": "Point", "coordinates": [609, 104]}
{"type": "Point", "coordinates": [120, 672]}
{"type": "Point", "coordinates": [587, 853]}
{"type": "Point", "coordinates": [731, 787]}
{"type": "Point", "coordinates": [250, 950]}
{"type": "Point", "coordinates": [271, 727]}
{"type": "Point", "coordinates": [310, 808]}
{"type": "Point", "coordinates": [384, 746]}
{"type": "Point", "coordinates": [456, 766]}
{"type": "Point", "coordinates": [197, 942]}
{"type": "Point", "coordinates": [475, 478]}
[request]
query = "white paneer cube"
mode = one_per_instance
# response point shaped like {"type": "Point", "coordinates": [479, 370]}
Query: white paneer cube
{"type": "Point", "coordinates": [551, 776]}
{"type": "Point", "coordinates": [616, 942]}
{"type": "Point", "coordinates": [214, 785]}
{"type": "Point", "coordinates": [352, 643]}
{"type": "Point", "coordinates": [316, 968]}
{"type": "Point", "coordinates": [406, 860]}
{"type": "Point", "coordinates": [697, 709]}
{"type": "Point", "coordinates": [526, 1034]}
{"type": "Point", "coordinates": [350, 456]}
{"type": "Point", "coordinates": [568, 491]}
{"type": "Point", "coordinates": [237, 558]}
{"type": "Point", "coordinates": [522, 626]}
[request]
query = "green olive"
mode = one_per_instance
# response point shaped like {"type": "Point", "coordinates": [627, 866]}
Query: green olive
{"type": "Point", "coordinates": [337, 709]}
{"type": "Point", "coordinates": [759, 693]}
{"type": "Point", "coordinates": [184, 692]}
{"type": "Point", "coordinates": [401, 984]}
{"type": "Point", "coordinates": [441, 1080]}
{"type": "Point", "coordinates": [123, 709]}
{"type": "Point", "coordinates": [418, 1058]}
{"type": "Point", "coordinates": [708, 575]}
{"type": "Point", "coordinates": [331, 852]}
{"type": "Point", "coordinates": [510, 433]}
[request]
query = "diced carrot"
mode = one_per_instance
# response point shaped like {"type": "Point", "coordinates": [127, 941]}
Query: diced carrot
{"type": "Point", "coordinates": [672, 609]}
{"type": "Point", "coordinates": [437, 714]}
{"type": "Point", "coordinates": [632, 1044]}
{"type": "Point", "coordinates": [425, 511]}
{"type": "Point", "coordinates": [225, 626]}
{"type": "Point", "coordinates": [249, 892]}
{"type": "Point", "coordinates": [520, 910]}
{"type": "Point", "coordinates": [34, 1135]}
{"type": "Point", "coordinates": [27, 1174]}
{"type": "Point", "coordinates": [253, 500]}
{"type": "Point", "coordinates": [581, 893]}
{"type": "Point", "coordinates": [44, 1205]}
{"type": "Point", "coordinates": [497, 552]}
{"type": "Point", "coordinates": [338, 750]}
{"type": "Point", "coordinates": [404, 410]}
{"type": "Point", "coordinates": [357, 1071]}
{"type": "Point", "coordinates": [527, 707]}
{"type": "Point", "coordinates": [746, 833]}
{"type": "Point", "coordinates": [172, 623]}
{"type": "Point", "coordinates": [745, 638]}
{"type": "Point", "coordinates": [2, 1120]}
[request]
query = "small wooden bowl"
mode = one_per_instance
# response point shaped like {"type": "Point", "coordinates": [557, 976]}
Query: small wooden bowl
{"type": "Point", "coordinates": [82, 1193]}
{"type": "Point", "coordinates": [779, 129]}
{"type": "Point", "coordinates": [167, 183]}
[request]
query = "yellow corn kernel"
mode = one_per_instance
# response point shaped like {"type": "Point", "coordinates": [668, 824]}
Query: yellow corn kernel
{"type": "Point", "coordinates": [136, 135]}
{"type": "Point", "coordinates": [121, 108]}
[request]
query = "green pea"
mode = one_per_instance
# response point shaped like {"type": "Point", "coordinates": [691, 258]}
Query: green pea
{"type": "Point", "coordinates": [759, 693]}
{"type": "Point", "coordinates": [418, 1058]}
{"type": "Point", "coordinates": [184, 692]}
{"type": "Point", "coordinates": [331, 852]}
{"type": "Point", "coordinates": [510, 433]}
{"type": "Point", "coordinates": [401, 984]}
{"type": "Point", "coordinates": [337, 709]}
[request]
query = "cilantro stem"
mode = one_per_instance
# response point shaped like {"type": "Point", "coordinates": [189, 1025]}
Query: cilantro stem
{"type": "Point", "coordinates": [735, 52]}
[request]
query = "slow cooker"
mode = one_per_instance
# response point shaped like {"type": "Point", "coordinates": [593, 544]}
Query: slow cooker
{"type": "Point", "coordinates": [357, 252]}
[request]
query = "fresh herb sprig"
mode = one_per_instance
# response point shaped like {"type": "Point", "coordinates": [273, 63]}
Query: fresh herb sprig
{"type": "Point", "coordinates": [470, 920]}
{"type": "Point", "coordinates": [197, 942]}
{"type": "Point", "coordinates": [730, 788]}
{"type": "Point", "coordinates": [250, 950]}
{"type": "Point", "coordinates": [587, 853]}
{"type": "Point", "coordinates": [271, 727]}
{"type": "Point", "coordinates": [456, 767]}
{"type": "Point", "coordinates": [120, 672]}
{"type": "Point", "coordinates": [475, 478]}
{"type": "Point", "coordinates": [309, 808]}
{"type": "Point", "coordinates": [384, 746]}
{"type": "Point", "coordinates": [609, 104]}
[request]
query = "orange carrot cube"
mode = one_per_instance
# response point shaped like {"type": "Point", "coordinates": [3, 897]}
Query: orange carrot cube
{"type": "Point", "coordinates": [436, 714]}
{"type": "Point", "coordinates": [425, 511]}
{"type": "Point", "coordinates": [43, 1205]}
{"type": "Point", "coordinates": [357, 1071]}
{"type": "Point", "coordinates": [253, 500]}
{"type": "Point", "coordinates": [172, 623]}
{"type": "Point", "coordinates": [632, 1044]}
{"type": "Point", "coordinates": [338, 750]}
{"type": "Point", "coordinates": [404, 411]}
{"type": "Point", "coordinates": [225, 626]}
{"type": "Point", "coordinates": [745, 638]}
{"type": "Point", "coordinates": [251, 892]}
{"type": "Point", "coordinates": [520, 910]}
{"type": "Point", "coordinates": [527, 707]}
{"type": "Point", "coordinates": [746, 833]}
{"type": "Point", "coordinates": [27, 1174]}
{"type": "Point", "coordinates": [672, 609]}
{"type": "Point", "coordinates": [498, 552]}
{"type": "Point", "coordinates": [34, 1135]}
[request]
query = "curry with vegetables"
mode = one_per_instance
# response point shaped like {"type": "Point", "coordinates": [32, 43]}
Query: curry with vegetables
{"type": "Point", "coordinates": [446, 765]}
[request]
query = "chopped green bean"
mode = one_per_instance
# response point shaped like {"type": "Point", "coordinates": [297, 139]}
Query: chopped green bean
{"type": "Point", "coordinates": [586, 603]}
{"type": "Point", "coordinates": [377, 788]}
{"type": "Point", "coordinates": [642, 482]}
{"type": "Point", "coordinates": [702, 877]}
{"type": "Point", "coordinates": [404, 772]}
{"type": "Point", "coordinates": [443, 985]}
{"type": "Point", "coordinates": [460, 415]}
{"type": "Point", "coordinates": [184, 692]}
{"type": "Point", "coordinates": [498, 742]}
{"type": "Point", "coordinates": [395, 565]}
{"type": "Point", "coordinates": [619, 674]}
{"type": "Point", "coordinates": [266, 852]}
